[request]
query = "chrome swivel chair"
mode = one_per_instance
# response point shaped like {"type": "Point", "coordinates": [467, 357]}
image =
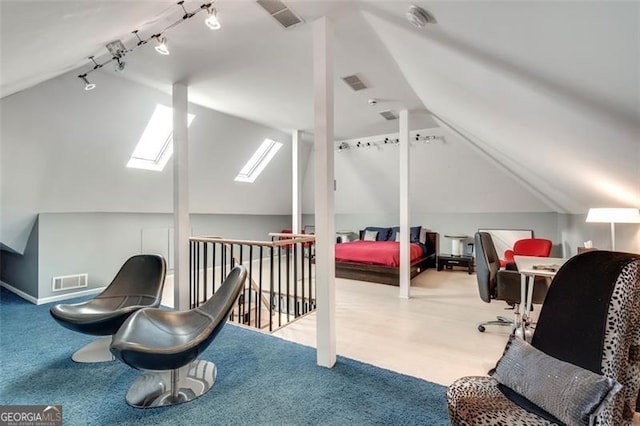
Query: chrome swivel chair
{"type": "Point", "coordinates": [166, 345]}
{"type": "Point", "coordinates": [137, 285]}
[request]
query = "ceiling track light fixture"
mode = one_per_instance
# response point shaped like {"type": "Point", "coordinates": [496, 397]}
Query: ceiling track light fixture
{"type": "Point", "coordinates": [162, 47]}
{"type": "Point", "coordinates": [343, 147]}
{"type": "Point", "coordinates": [212, 20]}
{"type": "Point", "coordinates": [87, 85]}
{"type": "Point", "coordinates": [118, 50]}
{"type": "Point", "coordinates": [417, 137]}
{"type": "Point", "coordinates": [428, 138]}
{"type": "Point", "coordinates": [121, 65]}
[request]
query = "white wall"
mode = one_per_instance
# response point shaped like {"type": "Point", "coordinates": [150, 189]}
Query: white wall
{"type": "Point", "coordinates": [549, 88]}
{"type": "Point", "coordinates": [445, 176]}
{"type": "Point", "coordinates": [65, 150]}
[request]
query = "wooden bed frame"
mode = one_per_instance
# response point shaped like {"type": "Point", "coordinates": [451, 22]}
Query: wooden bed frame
{"type": "Point", "coordinates": [387, 274]}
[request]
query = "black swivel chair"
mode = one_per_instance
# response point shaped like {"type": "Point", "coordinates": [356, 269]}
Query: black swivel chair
{"type": "Point", "coordinates": [167, 344]}
{"type": "Point", "coordinates": [497, 284]}
{"type": "Point", "coordinates": [137, 285]}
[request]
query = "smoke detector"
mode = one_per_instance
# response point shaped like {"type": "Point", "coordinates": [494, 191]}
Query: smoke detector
{"type": "Point", "coordinates": [418, 17]}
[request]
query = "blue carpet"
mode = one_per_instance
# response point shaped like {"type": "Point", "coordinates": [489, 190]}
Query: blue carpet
{"type": "Point", "coordinates": [261, 380]}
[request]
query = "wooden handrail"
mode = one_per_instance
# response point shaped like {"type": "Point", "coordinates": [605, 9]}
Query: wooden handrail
{"type": "Point", "coordinates": [303, 238]}
{"type": "Point", "coordinates": [289, 235]}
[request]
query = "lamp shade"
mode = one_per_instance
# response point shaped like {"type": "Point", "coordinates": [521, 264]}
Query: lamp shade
{"type": "Point", "coordinates": [614, 215]}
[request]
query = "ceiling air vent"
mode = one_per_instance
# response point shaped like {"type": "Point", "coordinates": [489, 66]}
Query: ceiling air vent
{"type": "Point", "coordinates": [354, 82]}
{"type": "Point", "coordinates": [280, 12]}
{"type": "Point", "coordinates": [389, 115]}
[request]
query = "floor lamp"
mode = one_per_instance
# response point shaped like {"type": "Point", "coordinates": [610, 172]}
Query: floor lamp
{"type": "Point", "coordinates": [613, 216]}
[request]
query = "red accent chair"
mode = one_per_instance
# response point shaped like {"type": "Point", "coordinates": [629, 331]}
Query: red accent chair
{"type": "Point", "coordinates": [539, 247]}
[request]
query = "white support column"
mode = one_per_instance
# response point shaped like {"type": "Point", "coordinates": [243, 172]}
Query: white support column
{"type": "Point", "coordinates": [405, 259]}
{"type": "Point", "coordinates": [180, 198]}
{"type": "Point", "coordinates": [296, 194]}
{"type": "Point", "coordinates": [324, 191]}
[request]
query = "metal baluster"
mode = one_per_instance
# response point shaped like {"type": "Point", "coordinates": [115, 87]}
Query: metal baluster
{"type": "Point", "coordinates": [302, 276]}
{"type": "Point", "coordinates": [260, 291]}
{"type": "Point", "coordinates": [288, 262]}
{"type": "Point", "coordinates": [213, 270]}
{"type": "Point", "coordinates": [271, 276]}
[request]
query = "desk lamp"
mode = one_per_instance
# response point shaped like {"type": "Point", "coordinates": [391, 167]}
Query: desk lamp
{"type": "Point", "coordinates": [613, 216]}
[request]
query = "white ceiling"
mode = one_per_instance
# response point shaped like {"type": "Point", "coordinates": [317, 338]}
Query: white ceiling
{"type": "Point", "coordinates": [548, 90]}
{"type": "Point", "coordinates": [252, 67]}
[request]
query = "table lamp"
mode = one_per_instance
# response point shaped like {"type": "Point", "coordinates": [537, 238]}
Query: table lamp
{"type": "Point", "coordinates": [613, 216]}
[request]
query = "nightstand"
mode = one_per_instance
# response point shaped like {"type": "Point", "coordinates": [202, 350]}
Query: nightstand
{"type": "Point", "coordinates": [448, 261]}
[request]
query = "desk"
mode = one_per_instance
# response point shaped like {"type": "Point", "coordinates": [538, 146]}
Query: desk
{"type": "Point", "coordinates": [530, 267]}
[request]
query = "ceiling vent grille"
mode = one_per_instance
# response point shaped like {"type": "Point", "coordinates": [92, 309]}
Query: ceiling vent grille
{"type": "Point", "coordinates": [67, 282]}
{"type": "Point", "coordinates": [389, 115]}
{"type": "Point", "coordinates": [280, 12]}
{"type": "Point", "coordinates": [354, 82]}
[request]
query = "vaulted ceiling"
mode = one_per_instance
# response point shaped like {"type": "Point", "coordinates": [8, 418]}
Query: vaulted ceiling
{"type": "Point", "coordinates": [548, 91]}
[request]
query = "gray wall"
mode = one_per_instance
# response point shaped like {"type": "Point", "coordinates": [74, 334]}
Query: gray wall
{"type": "Point", "coordinates": [99, 243]}
{"type": "Point", "coordinates": [21, 270]}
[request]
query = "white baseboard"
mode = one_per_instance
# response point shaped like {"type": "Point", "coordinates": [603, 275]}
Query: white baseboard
{"type": "Point", "coordinates": [20, 293]}
{"type": "Point", "coordinates": [50, 299]}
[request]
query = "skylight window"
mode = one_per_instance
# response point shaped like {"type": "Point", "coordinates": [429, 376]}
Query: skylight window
{"type": "Point", "coordinates": [258, 161]}
{"type": "Point", "coordinates": [155, 147]}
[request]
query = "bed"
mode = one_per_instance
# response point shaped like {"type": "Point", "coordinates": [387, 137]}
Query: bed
{"type": "Point", "coordinates": [375, 256]}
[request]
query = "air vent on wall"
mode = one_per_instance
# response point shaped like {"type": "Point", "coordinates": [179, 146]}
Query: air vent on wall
{"type": "Point", "coordinates": [389, 115]}
{"type": "Point", "coordinates": [354, 82]}
{"type": "Point", "coordinates": [68, 282]}
{"type": "Point", "coordinates": [280, 12]}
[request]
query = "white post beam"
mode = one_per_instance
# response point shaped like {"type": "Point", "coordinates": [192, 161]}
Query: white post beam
{"type": "Point", "coordinates": [296, 193]}
{"type": "Point", "coordinates": [405, 259]}
{"type": "Point", "coordinates": [324, 191]}
{"type": "Point", "coordinates": [180, 198]}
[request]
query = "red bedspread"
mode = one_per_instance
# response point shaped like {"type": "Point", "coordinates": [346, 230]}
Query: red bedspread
{"type": "Point", "coordinates": [374, 252]}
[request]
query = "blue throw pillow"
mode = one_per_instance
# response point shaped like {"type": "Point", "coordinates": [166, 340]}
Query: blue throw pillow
{"type": "Point", "coordinates": [414, 235]}
{"type": "Point", "coordinates": [394, 231]}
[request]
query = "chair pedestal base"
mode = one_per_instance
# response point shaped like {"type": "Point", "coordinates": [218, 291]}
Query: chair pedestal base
{"type": "Point", "coordinates": [96, 351]}
{"type": "Point", "coordinates": [162, 388]}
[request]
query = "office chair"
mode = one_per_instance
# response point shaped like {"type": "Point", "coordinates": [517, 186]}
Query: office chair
{"type": "Point", "coordinates": [497, 284]}
{"type": "Point", "coordinates": [539, 247]}
{"type": "Point", "coordinates": [137, 285]}
{"type": "Point", "coordinates": [166, 344]}
{"type": "Point", "coordinates": [589, 326]}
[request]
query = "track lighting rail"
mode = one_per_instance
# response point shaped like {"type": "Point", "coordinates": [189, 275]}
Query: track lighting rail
{"type": "Point", "coordinates": [118, 50]}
